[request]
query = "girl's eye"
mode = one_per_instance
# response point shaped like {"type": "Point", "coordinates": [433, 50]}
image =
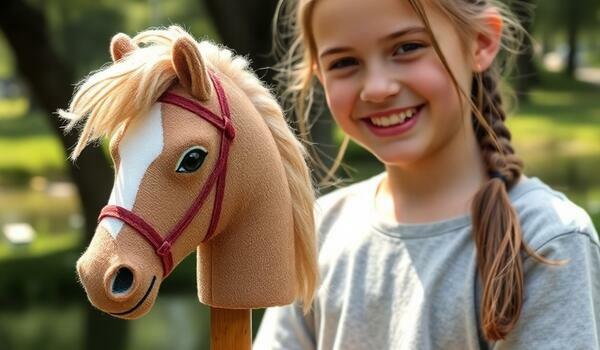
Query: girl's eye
{"type": "Point", "coordinates": [342, 63]}
{"type": "Point", "coordinates": [407, 48]}
{"type": "Point", "coordinates": [191, 160]}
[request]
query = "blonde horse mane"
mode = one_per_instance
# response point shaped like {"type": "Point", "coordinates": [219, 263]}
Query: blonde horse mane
{"type": "Point", "coordinates": [113, 95]}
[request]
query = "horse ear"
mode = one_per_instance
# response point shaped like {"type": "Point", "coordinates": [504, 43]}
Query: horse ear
{"type": "Point", "coordinates": [190, 69]}
{"type": "Point", "coordinates": [120, 45]}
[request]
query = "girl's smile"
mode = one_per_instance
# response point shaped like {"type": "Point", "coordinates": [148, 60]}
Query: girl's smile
{"type": "Point", "coordinates": [393, 122]}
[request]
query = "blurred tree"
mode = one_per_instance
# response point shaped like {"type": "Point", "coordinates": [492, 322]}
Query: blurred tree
{"type": "Point", "coordinates": [569, 18]}
{"type": "Point", "coordinates": [246, 26]}
{"type": "Point", "coordinates": [81, 32]}
{"type": "Point", "coordinates": [49, 79]}
{"type": "Point", "coordinates": [527, 74]}
{"type": "Point", "coordinates": [574, 16]}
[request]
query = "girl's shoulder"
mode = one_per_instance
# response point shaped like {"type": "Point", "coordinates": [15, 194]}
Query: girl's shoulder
{"type": "Point", "coordinates": [360, 193]}
{"type": "Point", "coordinates": [351, 204]}
{"type": "Point", "coordinates": [546, 214]}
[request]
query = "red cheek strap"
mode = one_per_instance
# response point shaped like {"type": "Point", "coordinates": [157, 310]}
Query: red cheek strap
{"type": "Point", "coordinates": [162, 248]}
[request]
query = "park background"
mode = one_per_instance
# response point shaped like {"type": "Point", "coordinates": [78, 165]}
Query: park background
{"type": "Point", "coordinates": [48, 205]}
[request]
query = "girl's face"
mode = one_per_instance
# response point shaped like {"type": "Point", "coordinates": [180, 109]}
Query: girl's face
{"type": "Point", "coordinates": [384, 83]}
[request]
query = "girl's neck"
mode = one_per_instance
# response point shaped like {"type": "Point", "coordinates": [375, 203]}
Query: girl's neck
{"type": "Point", "coordinates": [441, 186]}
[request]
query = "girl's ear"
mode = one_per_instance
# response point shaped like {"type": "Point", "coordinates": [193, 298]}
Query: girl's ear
{"type": "Point", "coordinates": [487, 43]}
{"type": "Point", "coordinates": [190, 68]}
{"type": "Point", "coordinates": [120, 45]}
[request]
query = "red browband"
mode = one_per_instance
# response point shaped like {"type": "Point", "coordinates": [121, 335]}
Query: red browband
{"type": "Point", "coordinates": [163, 246]}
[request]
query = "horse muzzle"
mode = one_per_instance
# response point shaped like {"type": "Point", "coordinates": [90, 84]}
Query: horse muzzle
{"type": "Point", "coordinates": [120, 276]}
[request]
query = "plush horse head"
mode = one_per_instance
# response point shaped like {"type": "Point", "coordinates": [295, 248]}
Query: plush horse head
{"type": "Point", "coordinates": [204, 160]}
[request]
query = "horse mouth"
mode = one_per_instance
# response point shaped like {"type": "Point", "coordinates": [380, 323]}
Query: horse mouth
{"type": "Point", "coordinates": [138, 303]}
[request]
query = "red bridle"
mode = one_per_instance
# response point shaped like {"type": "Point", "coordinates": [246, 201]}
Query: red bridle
{"type": "Point", "coordinates": [162, 246]}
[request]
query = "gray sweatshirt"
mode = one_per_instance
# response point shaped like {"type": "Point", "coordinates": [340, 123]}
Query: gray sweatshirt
{"type": "Point", "coordinates": [415, 286]}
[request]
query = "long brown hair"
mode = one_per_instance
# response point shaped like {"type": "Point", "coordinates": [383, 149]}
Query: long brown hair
{"type": "Point", "coordinates": [496, 227]}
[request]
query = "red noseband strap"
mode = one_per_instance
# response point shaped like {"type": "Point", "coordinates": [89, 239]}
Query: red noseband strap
{"type": "Point", "coordinates": [162, 246]}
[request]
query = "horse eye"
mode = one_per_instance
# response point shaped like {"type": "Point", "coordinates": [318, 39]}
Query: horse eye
{"type": "Point", "coordinates": [191, 160]}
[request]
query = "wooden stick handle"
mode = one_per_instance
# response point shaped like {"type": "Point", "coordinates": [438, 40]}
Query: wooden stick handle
{"type": "Point", "coordinates": [230, 329]}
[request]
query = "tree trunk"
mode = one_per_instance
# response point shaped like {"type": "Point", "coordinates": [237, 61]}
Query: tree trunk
{"type": "Point", "coordinates": [49, 81]}
{"type": "Point", "coordinates": [572, 34]}
{"type": "Point", "coordinates": [246, 27]}
{"type": "Point", "coordinates": [527, 74]}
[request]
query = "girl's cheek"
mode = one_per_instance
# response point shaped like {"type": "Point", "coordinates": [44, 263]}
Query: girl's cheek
{"type": "Point", "coordinates": [434, 84]}
{"type": "Point", "coordinates": [340, 99]}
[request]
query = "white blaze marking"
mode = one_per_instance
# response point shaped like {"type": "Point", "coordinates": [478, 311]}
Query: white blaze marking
{"type": "Point", "coordinates": [139, 147]}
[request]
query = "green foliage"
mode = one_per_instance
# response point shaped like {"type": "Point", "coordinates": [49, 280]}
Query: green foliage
{"type": "Point", "coordinates": [82, 34]}
{"type": "Point", "coordinates": [6, 59]}
{"type": "Point", "coordinates": [81, 30]}
{"type": "Point", "coordinates": [34, 149]}
{"type": "Point", "coordinates": [551, 16]}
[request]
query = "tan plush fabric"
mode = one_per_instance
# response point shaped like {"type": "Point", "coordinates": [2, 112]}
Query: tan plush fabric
{"type": "Point", "coordinates": [250, 261]}
{"type": "Point", "coordinates": [96, 269]}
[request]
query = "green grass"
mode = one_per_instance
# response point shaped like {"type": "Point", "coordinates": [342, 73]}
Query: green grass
{"type": "Point", "coordinates": [33, 155]}
{"type": "Point", "coordinates": [29, 147]}
{"type": "Point", "coordinates": [13, 108]}
{"type": "Point", "coordinates": [558, 122]}
{"type": "Point", "coordinates": [42, 245]}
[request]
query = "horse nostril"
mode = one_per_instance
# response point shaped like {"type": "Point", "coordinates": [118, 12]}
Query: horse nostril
{"type": "Point", "coordinates": [123, 281]}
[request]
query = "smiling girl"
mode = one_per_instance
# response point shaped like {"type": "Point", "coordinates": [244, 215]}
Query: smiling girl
{"type": "Point", "coordinates": [452, 247]}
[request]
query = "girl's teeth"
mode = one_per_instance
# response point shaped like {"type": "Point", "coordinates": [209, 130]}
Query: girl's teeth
{"type": "Point", "coordinates": [394, 119]}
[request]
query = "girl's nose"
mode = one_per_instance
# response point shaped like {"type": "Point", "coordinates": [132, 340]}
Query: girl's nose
{"type": "Point", "coordinates": [379, 86]}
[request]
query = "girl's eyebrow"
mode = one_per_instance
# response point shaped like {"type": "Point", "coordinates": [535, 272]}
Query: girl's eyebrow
{"type": "Point", "coordinates": [334, 50]}
{"type": "Point", "coordinates": [402, 32]}
{"type": "Point", "coordinates": [394, 35]}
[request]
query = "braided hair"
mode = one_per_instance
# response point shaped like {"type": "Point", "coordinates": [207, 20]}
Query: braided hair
{"type": "Point", "coordinates": [496, 228]}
